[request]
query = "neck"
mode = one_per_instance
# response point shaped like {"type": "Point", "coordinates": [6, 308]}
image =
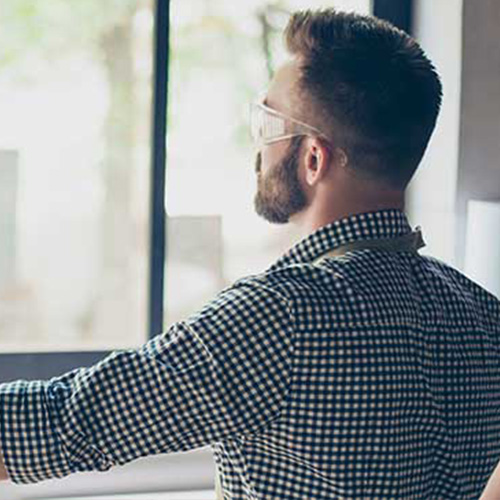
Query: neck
{"type": "Point", "coordinates": [318, 215]}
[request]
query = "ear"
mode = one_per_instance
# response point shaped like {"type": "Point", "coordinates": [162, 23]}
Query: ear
{"type": "Point", "coordinates": [317, 158]}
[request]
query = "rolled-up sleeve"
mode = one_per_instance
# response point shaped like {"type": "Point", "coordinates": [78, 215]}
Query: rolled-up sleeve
{"type": "Point", "coordinates": [222, 372]}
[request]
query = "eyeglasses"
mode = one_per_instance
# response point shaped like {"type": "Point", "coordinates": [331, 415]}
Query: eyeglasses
{"type": "Point", "coordinates": [268, 125]}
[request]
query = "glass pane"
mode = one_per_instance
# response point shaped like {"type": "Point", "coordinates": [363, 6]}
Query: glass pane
{"type": "Point", "coordinates": [220, 60]}
{"type": "Point", "coordinates": [75, 92]}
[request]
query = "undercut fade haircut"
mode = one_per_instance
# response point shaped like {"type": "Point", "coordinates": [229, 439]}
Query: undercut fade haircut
{"type": "Point", "coordinates": [371, 86]}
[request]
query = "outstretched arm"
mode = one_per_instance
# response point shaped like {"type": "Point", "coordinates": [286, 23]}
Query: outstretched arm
{"type": "Point", "coordinates": [222, 372]}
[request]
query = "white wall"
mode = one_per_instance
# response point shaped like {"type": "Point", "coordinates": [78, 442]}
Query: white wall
{"type": "Point", "coordinates": [479, 154]}
{"type": "Point", "coordinates": [437, 26]}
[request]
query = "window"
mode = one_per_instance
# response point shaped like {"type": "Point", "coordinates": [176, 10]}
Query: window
{"type": "Point", "coordinates": [75, 93]}
{"type": "Point", "coordinates": [222, 54]}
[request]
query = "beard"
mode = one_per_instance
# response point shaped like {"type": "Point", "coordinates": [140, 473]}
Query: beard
{"type": "Point", "coordinates": [279, 193]}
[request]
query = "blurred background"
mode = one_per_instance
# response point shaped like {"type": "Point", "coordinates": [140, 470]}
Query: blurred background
{"type": "Point", "coordinates": [77, 119]}
{"type": "Point", "coordinates": [75, 147]}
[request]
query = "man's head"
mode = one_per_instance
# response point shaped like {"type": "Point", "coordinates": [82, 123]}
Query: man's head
{"type": "Point", "coordinates": [374, 95]}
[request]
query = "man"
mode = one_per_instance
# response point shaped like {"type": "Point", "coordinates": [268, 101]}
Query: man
{"type": "Point", "coordinates": [353, 367]}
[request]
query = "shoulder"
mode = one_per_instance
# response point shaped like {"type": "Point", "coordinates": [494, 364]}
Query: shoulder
{"type": "Point", "coordinates": [295, 283]}
{"type": "Point", "coordinates": [249, 298]}
{"type": "Point", "coordinates": [466, 287]}
{"type": "Point", "coordinates": [458, 278]}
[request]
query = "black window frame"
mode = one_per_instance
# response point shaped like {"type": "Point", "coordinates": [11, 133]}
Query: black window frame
{"type": "Point", "coordinates": [398, 12]}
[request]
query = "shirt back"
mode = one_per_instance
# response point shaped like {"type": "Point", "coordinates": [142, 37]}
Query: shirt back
{"type": "Point", "coordinates": [395, 388]}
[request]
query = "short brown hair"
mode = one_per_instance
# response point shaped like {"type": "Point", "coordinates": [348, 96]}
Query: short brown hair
{"type": "Point", "coordinates": [371, 85]}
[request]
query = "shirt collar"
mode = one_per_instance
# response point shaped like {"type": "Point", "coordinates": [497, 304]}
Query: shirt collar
{"type": "Point", "coordinates": [386, 223]}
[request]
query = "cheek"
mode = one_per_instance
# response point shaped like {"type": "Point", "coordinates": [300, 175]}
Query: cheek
{"type": "Point", "coordinates": [272, 154]}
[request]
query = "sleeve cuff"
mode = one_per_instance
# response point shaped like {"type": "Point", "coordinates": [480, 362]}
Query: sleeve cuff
{"type": "Point", "coordinates": [31, 445]}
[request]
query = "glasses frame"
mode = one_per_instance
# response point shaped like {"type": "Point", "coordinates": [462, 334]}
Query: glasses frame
{"type": "Point", "coordinates": [302, 128]}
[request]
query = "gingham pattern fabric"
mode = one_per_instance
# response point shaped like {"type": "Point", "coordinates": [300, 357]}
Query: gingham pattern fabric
{"type": "Point", "coordinates": [373, 375]}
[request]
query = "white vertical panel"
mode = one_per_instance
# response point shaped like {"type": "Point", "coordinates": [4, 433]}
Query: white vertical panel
{"type": "Point", "coordinates": [482, 251]}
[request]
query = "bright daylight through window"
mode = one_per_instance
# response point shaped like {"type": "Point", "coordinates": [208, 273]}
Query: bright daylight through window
{"type": "Point", "coordinates": [222, 55]}
{"type": "Point", "coordinates": [74, 174]}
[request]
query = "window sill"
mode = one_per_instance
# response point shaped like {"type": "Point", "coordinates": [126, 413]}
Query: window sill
{"type": "Point", "coordinates": [191, 473]}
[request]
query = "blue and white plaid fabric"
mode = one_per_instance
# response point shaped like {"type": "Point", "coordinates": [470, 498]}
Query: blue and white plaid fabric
{"type": "Point", "coordinates": [371, 376]}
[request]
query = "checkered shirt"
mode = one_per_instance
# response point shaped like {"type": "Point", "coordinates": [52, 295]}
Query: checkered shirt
{"type": "Point", "coordinates": [373, 375]}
